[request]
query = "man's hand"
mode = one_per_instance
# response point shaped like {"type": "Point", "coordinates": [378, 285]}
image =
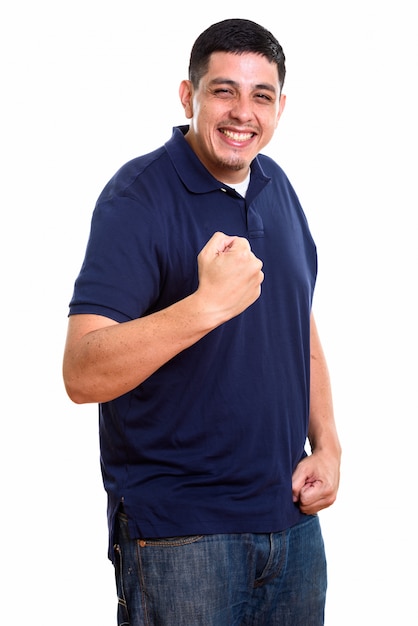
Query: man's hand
{"type": "Point", "coordinates": [230, 275]}
{"type": "Point", "coordinates": [315, 482]}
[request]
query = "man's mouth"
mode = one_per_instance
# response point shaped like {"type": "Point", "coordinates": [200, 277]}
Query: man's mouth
{"type": "Point", "coordinates": [239, 137]}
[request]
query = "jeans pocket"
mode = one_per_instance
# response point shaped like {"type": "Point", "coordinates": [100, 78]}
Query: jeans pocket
{"type": "Point", "coordinates": [170, 542]}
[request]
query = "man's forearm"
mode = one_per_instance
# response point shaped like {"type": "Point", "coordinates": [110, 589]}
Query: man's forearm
{"type": "Point", "coordinates": [322, 429]}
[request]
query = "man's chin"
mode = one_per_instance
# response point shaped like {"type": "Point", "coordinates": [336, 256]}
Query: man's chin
{"type": "Point", "coordinates": [233, 165]}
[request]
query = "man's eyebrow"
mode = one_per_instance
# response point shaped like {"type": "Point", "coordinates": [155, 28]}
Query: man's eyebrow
{"type": "Point", "coordinates": [233, 83]}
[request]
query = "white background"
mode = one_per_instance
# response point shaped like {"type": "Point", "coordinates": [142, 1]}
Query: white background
{"type": "Point", "coordinates": [87, 85]}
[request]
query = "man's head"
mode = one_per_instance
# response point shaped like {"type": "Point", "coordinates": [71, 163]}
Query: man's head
{"type": "Point", "coordinates": [236, 36]}
{"type": "Point", "coordinates": [233, 97]}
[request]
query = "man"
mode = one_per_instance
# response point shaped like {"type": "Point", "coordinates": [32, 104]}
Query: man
{"type": "Point", "coordinates": [191, 326]}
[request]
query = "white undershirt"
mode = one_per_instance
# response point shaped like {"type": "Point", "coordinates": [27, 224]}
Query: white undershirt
{"type": "Point", "coordinates": [241, 188]}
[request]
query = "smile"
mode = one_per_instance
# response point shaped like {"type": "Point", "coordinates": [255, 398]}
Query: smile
{"type": "Point", "coordinates": [241, 137]}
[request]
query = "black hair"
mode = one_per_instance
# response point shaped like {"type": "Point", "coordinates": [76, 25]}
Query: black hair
{"type": "Point", "coordinates": [236, 36]}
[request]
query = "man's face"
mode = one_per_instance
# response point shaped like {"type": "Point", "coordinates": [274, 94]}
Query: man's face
{"type": "Point", "coordinates": [233, 113]}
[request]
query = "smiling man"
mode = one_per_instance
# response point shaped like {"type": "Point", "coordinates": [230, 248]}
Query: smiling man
{"type": "Point", "coordinates": [234, 110]}
{"type": "Point", "coordinates": [191, 326]}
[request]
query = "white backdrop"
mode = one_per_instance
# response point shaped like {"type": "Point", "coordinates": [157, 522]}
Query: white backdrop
{"type": "Point", "coordinates": [89, 84]}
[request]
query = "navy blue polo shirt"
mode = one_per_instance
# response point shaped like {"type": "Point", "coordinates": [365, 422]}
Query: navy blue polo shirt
{"type": "Point", "coordinates": [209, 442]}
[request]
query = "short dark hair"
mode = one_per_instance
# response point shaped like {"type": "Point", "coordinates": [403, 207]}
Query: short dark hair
{"type": "Point", "coordinates": [236, 36]}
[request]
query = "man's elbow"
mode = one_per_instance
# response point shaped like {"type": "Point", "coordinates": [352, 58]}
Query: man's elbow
{"type": "Point", "coordinates": [75, 386]}
{"type": "Point", "coordinates": [76, 395]}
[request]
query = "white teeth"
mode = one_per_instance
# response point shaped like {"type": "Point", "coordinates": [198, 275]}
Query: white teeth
{"type": "Point", "coordinates": [237, 136]}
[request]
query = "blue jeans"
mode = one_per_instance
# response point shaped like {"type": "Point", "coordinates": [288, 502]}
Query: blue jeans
{"type": "Point", "coordinates": [222, 580]}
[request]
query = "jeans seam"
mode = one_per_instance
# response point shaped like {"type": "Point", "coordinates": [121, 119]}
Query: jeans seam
{"type": "Point", "coordinates": [141, 581]}
{"type": "Point", "coordinates": [263, 579]}
{"type": "Point", "coordinates": [121, 597]}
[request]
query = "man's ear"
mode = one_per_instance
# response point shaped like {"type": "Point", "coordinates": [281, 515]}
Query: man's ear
{"type": "Point", "coordinates": [281, 107]}
{"type": "Point", "coordinates": [186, 97]}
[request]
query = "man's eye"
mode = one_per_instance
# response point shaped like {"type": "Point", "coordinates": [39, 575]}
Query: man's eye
{"type": "Point", "coordinates": [222, 92]}
{"type": "Point", "coordinates": [264, 96]}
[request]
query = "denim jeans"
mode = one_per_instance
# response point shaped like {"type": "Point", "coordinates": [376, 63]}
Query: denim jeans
{"type": "Point", "coordinates": [222, 580]}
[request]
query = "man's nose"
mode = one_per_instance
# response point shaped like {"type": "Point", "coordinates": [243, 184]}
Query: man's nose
{"type": "Point", "coordinates": [242, 109]}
